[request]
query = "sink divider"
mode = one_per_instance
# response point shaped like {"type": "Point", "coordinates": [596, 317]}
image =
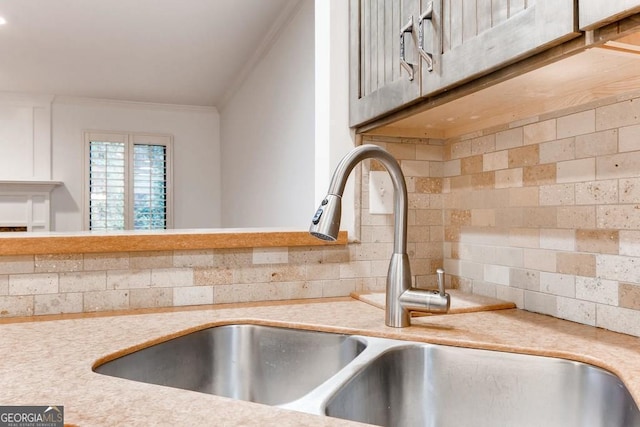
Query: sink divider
{"type": "Point", "coordinates": [316, 400]}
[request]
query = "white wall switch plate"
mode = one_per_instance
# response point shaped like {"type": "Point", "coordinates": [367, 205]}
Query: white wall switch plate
{"type": "Point", "coordinates": [380, 193]}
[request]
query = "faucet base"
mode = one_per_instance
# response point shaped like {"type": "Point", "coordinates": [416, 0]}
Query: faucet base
{"type": "Point", "coordinates": [401, 298]}
{"type": "Point", "coordinates": [425, 301]}
{"type": "Point", "coordinates": [398, 282]}
{"type": "Point", "coordinates": [417, 300]}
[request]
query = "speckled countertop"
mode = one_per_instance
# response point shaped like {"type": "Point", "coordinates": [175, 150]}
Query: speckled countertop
{"type": "Point", "coordinates": [49, 361]}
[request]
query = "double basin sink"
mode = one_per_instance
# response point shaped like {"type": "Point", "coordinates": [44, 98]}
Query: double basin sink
{"type": "Point", "coordinates": [382, 381]}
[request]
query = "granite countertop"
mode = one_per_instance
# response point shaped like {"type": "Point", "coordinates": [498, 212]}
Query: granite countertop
{"type": "Point", "coordinates": [48, 361]}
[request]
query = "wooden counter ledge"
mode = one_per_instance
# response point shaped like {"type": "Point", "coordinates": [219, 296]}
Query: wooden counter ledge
{"type": "Point", "coordinates": [133, 241]}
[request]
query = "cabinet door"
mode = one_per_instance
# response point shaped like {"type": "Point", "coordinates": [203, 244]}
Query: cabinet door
{"type": "Point", "coordinates": [379, 84]}
{"type": "Point", "coordinates": [594, 13]}
{"type": "Point", "coordinates": [469, 38]}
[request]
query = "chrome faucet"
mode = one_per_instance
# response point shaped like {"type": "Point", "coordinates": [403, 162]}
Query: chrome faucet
{"type": "Point", "coordinates": [401, 298]}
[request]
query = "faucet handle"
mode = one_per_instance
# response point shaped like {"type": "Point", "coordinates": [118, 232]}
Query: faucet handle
{"type": "Point", "coordinates": [440, 273]}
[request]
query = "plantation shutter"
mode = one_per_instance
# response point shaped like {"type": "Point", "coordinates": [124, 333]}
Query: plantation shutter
{"type": "Point", "coordinates": [107, 185]}
{"type": "Point", "coordinates": [129, 178]}
{"type": "Point", "coordinates": [149, 187]}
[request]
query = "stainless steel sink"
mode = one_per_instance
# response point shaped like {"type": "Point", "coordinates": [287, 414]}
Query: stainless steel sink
{"type": "Point", "coordinates": [248, 362]}
{"type": "Point", "coordinates": [441, 386]}
{"type": "Point", "coordinates": [382, 381]}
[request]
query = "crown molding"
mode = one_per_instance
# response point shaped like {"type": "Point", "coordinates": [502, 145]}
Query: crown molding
{"type": "Point", "coordinates": [71, 100]}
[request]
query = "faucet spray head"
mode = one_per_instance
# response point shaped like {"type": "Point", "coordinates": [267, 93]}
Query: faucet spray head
{"type": "Point", "coordinates": [325, 224]}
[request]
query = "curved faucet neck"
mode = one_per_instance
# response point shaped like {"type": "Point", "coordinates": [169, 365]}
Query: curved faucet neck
{"type": "Point", "coordinates": [368, 151]}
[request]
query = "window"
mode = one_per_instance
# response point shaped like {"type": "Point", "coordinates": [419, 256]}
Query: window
{"type": "Point", "coordinates": [128, 176]}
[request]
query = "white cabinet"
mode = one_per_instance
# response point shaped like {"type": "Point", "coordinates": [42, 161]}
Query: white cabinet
{"type": "Point", "coordinates": [595, 13]}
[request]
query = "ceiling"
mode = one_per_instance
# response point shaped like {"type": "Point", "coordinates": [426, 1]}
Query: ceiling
{"type": "Point", "coordinates": [189, 52]}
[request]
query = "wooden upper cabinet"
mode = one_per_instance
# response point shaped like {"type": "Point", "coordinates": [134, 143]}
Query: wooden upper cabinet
{"type": "Point", "coordinates": [378, 82]}
{"type": "Point", "coordinates": [595, 13]}
{"type": "Point", "coordinates": [446, 43]}
{"type": "Point", "coordinates": [473, 37]}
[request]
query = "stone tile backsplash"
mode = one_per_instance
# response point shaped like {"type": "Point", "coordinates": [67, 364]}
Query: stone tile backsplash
{"type": "Point", "coordinates": [98, 282]}
{"type": "Point", "coordinates": [544, 212]}
{"type": "Point", "coordinates": [564, 205]}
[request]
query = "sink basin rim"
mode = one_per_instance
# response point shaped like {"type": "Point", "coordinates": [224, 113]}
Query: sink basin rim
{"type": "Point", "coordinates": [252, 362]}
{"type": "Point", "coordinates": [316, 400]}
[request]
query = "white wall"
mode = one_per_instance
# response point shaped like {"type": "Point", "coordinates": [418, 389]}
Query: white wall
{"type": "Point", "coordinates": [261, 162]}
{"type": "Point", "coordinates": [196, 167]}
{"type": "Point", "coordinates": [267, 129]}
{"type": "Point", "coordinates": [25, 136]}
{"type": "Point", "coordinates": [333, 137]}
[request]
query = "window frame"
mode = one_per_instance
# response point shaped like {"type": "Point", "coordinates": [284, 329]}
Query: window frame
{"type": "Point", "coordinates": [129, 139]}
